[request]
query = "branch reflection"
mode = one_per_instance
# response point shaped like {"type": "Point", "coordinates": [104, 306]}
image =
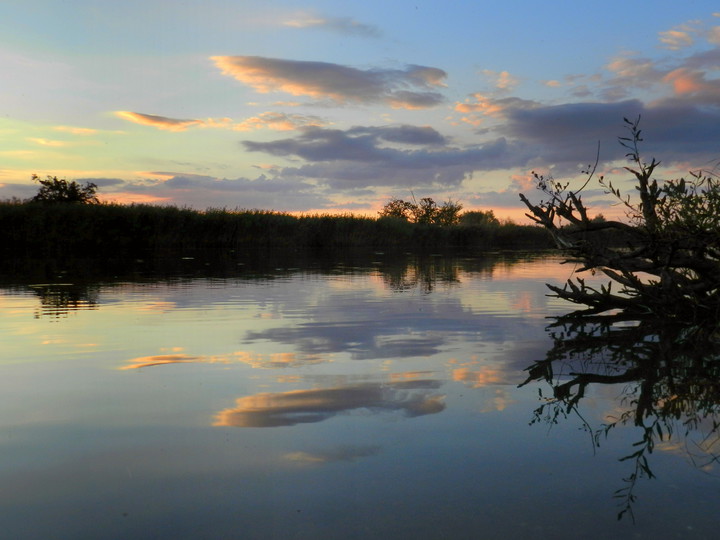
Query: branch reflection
{"type": "Point", "coordinates": [669, 374]}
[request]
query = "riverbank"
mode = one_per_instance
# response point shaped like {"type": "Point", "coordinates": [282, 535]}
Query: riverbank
{"type": "Point", "coordinates": [55, 230]}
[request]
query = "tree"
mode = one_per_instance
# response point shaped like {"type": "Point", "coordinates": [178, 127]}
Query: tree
{"type": "Point", "coordinates": [448, 213]}
{"type": "Point", "coordinates": [668, 262]}
{"type": "Point", "coordinates": [397, 208]}
{"type": "Point", "coordinates": [53, 189]}
{"type": "Point", "coordinates": [479, 218]}
{"type": "Point", "coordinates": [656, 335]}
{"type": "Point", "coordinates": [426, 212]}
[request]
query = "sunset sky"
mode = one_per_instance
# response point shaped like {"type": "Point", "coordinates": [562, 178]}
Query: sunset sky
{"type": "Point", "coordinates": [327, 106]}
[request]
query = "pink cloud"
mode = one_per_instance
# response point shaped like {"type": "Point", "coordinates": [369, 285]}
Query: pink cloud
{"type": "Point", "coordinates": [411, 88]}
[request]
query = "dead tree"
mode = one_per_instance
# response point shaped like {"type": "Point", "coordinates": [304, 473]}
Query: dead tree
{"type": "Point", "coordinates": [664, 261]}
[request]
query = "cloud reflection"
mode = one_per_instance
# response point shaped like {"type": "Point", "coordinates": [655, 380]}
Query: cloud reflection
{"type": "Point", "coordinates": [255, 360]}
{"type": "Point", "coordinates": [412, 398]}
{"type": "Point", "coordinates": [333, 455]}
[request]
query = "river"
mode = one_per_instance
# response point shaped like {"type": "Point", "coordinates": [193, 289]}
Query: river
{"type": "Point", "coordinates": [378, 399]}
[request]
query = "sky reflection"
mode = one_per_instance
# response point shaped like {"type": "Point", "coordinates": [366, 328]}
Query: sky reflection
{"type": "Point", "coordinates": [412, 398]}
{"type": "Point", "coordinates": [395, 411]}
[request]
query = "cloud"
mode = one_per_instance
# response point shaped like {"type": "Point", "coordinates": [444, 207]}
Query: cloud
{"type": "Point", "coordinates": [502, 80]}
{"type": "Point", "coordinates": [713, 35]}
{"type": "Point", "coordinates": [278, 121]}
{"type": "Point", "coordinates": [274, 361]}
{"type": "Point", "coordinates": [18, 191]}
{"type": "Point", "coordinates": [47, 142]}
{"type": "Point", "coordinates": [354, 144]}
{"type": "Point", "coordinates": [478, 106]}
{"type": "Point", "coordinates": [676, 39]}
{"type": "Point", "coordinates": [342, 25]}
{"type": "Point", "coordinates": [268, 120]}
{"type": "Point", "coordinates": [202, 191]}
{"type": "Point", "coordinates": [481, 376]}
{"type": "Point", "coordinates": [76, 130]}
{"type": "Point", "coordinates": [355, 328]}
{"type": "Point", "coordinates": [413, 398]}
{"type": "Point", "coordinates": [413, 87]}
{"type": "Point", "coordinates": [103, 182]}
{"type": "Point", "coordinates": [385, 156]}
{"type": "Point", "coordinates": [160, 122]}
{"type": "Point", "coordinates": [160, 360]}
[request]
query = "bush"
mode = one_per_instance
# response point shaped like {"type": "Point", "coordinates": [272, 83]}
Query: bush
{"type": "Point", "coordinates": [427, 212]}
{"type": "Point", "coordinates": [54, 189]}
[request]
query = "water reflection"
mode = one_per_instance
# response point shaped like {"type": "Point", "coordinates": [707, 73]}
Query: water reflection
{"type": "Point", "coordinates": [668, 376]}
{"type": "Point", "coordinates": [333, 455]}
{"type": "Point", "coordinates": [270, 361]}
{"type": "Point", "coordinates": [373, 398]}
{"type": "Point", "coordinates": [426, 273]}
{"type": "Point", "coordinates": [57, 300]}
{"type": "Point", "coordinates": [412, 398]}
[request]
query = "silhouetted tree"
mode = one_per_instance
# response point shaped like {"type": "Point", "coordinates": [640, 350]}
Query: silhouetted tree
{"type": "Point", "coordinates": [479, 218]}
{"type": "Point", "coordinates": [672, 235]}
{"type": "Point", "coordinates": [54, 189]}
{"type": "Point", "coordinates": [657, 332]}
{"type": "Point", "coordinates": [426, 212]}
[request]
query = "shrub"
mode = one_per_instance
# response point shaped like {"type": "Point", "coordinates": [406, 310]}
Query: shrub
{"type": "Point", "coordinates": [54, 189]}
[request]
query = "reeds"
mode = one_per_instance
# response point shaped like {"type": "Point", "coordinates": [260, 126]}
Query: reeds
{"type": "Point", "coordinates": [61, 229]}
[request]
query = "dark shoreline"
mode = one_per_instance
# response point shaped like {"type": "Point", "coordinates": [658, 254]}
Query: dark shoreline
{"type": "Point", "coordinates": [61, 230]}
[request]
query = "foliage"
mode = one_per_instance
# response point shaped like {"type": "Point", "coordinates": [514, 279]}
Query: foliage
{"type": "Point", "coordinates": [142, 230]}
{"type": "Point", "coordinates": [54, 189]}
{"type": "Point", "coordinates": [426, 212]}
{"type": "Point", "coordinates": [657, 332]}
{"type": "Point", "coordinates": [397, 208]}
{"type": "Point", "coordinates": [672, 236]}
{"type": "Point", "coordinates": [478, 218]}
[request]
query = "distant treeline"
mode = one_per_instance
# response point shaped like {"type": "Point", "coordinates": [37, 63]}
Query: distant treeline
{"type": "Point", "coordinates": [36, 230]}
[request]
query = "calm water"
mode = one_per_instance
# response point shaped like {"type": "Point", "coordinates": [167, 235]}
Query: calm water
{"type": "Point", "coordinates": [366, 400]}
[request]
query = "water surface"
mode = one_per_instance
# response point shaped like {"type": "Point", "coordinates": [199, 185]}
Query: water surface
{"type": "Point", "coordinates": [377, 399]}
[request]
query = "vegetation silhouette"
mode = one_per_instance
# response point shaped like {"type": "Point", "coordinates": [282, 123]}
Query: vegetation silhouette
{"type": "Point", "coordinates": [103, 230]}
{"type": "Point", "coordinates": [672, 236]}
{"type": "Point", "coordinates": [59, 190]}
{"type": "Point", "coordinates": [425, 212]}
{"type": "Point", "coordinates": [658, 332]}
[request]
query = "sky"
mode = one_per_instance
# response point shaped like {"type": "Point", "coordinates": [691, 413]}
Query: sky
{"type": "Point", "coordinates": [321, 106]}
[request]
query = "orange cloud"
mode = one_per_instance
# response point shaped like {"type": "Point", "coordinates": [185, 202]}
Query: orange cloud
{"type": "Point", "coordinates": [502, 80]}
{"type": "Point", "coordinates": [676, 39]}
{"type": "Point", "coordinates": [276, 360]}
{"type": "Point", "coordinates": [160, 122]}
{"type": "Point", "coordinates": [310, 406]}
{"type": "Point", "coordinates": [129, 198]}
{"type": "Point", "coordinates": [278, 122]}
{"type": "Point", "coordinates": [400, 88]}
{"type": "Point", "coordinates": [490, 106]}
{"type": "Point", "coordinates": [47, 142]}
{"type": "Point", "coordinates": [267, 120]}
{"type": "Point", "coordinates": [76, 130]}
{"type": "Point", "coordinates": [477, 378]}
{"type": "Point", "coordinates": [685, 81]}
{"type": "Point", "coordinates": [159, 360]}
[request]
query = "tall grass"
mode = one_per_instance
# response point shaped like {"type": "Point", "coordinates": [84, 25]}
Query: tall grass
{"type": "Point", "coordinates": [61, 229]}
